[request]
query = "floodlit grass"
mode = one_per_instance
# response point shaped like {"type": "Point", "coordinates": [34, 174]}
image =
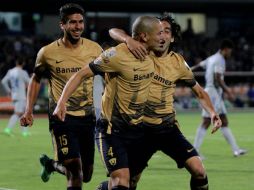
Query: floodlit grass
{"type": "Point", "coordinates": [20, 168]}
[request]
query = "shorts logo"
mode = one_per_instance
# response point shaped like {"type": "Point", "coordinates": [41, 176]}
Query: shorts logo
{"type": "Point", "coordinates": [65, 150]}
{"type": "Point", "coordinates": [135, 69]}
{"type": "Point", "coordinates": [112, 161]}
{"type": "Point", "coordinates": [189, 150]}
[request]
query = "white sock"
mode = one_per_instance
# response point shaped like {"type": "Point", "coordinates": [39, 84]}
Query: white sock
{"type": "Point", "coordinates": [200, 134]}
{"type": "Point", "coordinates": [230, 138]}
{"type": "Point", "coordinates": [12, 121]}
{"type": "Point", "coordinates": [24, 129]}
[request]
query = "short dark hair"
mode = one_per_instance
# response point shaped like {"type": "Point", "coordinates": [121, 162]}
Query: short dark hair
{"type": "Point", "coordinates": [226, 43]}
{"type": "Point", "coordinates": [175, 27]}
{"type": "Point", "coordinates": [68, 9]}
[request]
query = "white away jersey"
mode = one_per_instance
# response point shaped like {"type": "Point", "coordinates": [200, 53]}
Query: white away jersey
{"type": "Point", "coordinates": [213, 64]}
{"type": "Point", "coordinates": [15, 82]}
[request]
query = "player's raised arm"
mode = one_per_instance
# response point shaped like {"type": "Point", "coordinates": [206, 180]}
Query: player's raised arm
{"type": "Point", "coordinates": [136, 48]}
{"type": "Point", "coordinates": [68, 90]}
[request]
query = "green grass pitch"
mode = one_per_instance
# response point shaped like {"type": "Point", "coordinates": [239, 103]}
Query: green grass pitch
{"type": "Point", "coordinates": [20, 168]}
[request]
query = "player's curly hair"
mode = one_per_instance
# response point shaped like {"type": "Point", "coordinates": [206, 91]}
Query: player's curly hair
{"type": "Point", "coordinates": [68, 9]}
{"type": "Point", "coordinates": [175, 27]}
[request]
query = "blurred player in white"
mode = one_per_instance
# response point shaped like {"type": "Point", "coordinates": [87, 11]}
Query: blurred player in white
{"type": "Point", "coordinates": [215, 86]}
{"type": "Point", "coordinates": [15, 83]}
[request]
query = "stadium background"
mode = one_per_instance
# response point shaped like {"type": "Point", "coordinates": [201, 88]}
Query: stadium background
{"type": "Point", "coordinates": [26, 28]}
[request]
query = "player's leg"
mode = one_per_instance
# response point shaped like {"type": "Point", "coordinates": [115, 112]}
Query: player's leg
{"type": "Point", "coordinates": [106, 185]}
{"type": "Point", "coordinates": [175, 145]}
{"type": "Point", "coordinates": [48, 166]}
{"type": "Point", "coordinates": [114, 156]}
{"type": "Point", "coordinates": [20, 109]}
{"type": "Point", "coordinates": [201, 132]}
{"type": "Point", "coordinates": [228, 135]}
{"type": "Point", "coordinates": [139, 154]}
{"type": "Point", "coordinates": [199, 180]}
{"type": "Point", "coordinates": [66, 144]}
{"type": "Point", "coordinates": [87, 147]}
{"type": "Point", "coordinates": [13, 119]}
{"type": "Point", "coordinates": [73, 173]}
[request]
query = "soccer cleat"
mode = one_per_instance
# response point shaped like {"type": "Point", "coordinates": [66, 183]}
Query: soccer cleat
{"type": "Point", "coordinates": [240, 152]}
{"type": "Point", "coordinates": [45, 171]}
{"type": "Point", "coordinates": [8, 132]}
{"type": "Point", "coordinates": [26, 134]}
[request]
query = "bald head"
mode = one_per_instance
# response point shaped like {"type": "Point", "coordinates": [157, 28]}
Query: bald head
{"type": "Point", "coordinates": [143, 24]}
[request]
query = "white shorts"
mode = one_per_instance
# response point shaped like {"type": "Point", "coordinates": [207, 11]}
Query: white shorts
{"type": "Point", "coordinates": [19, 106]}
{"type": "Point", "coordinates": [217, 101]}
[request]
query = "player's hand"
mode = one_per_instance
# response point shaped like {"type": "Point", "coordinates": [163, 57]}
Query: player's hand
{"type": "Point", "coordinates": [216, 121]}
{"type": "Point", "coordinates": [60, 111]}
{"type": "Point", "coordinates": [136, 48]}
{"type": "Point", "coordinates": [26, 119]}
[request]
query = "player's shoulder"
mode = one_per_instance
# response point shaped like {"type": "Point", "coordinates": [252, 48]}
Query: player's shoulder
{"type": "Point", "coordinates": [115, 51]}
{"type": "Point", "coordinates": [91, 44]}
{"type": "Point", "coordinates": [123, 50]}
{"type": "Point", "coordinates": [49, 47]}
{"type": "Point", "coordinates": [177, 57]}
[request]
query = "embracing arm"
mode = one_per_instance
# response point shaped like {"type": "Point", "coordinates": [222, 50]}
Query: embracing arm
{"type": "Point", "coordinates": [68, 90]}
{"type": "Point", "coordinates": [136, 48]}
{"type": "Point", "coordinates": [206, 103]}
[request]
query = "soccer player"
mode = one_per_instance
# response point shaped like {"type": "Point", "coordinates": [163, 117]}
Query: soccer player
{"type": "Point", "coordinates": [160, 122]}
{"type": "Point", "coordinates": [15, 83]}
{"type": "Point", "coordinates": [73, 138]}
{"type": "Point", "coordinates": [215, 86]}
{"type": "Point", "coordinates": [119, 131]}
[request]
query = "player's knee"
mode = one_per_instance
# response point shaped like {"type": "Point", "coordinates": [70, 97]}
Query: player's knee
{"type": "Point", "coordinates": [195, 167]}
{"type": "Point", "coordinates": [199, 171]}
{"type": "Point", "coordinates": [87, 174]}
{"type": "Point", "coordinates": [120, 177]}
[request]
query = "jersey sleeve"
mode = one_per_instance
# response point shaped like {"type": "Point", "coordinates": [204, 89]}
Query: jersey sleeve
{"type": "Point", "coordinates": [40, 65]}
{"type": "Point", "coordinates": [187, 78]}
{"type": "Point", "coordinates": [106, 62]}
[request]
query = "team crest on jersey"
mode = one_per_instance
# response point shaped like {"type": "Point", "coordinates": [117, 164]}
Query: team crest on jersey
{"type": "Point", "coordinates": [105, 57]}
{"type": "Point", "coordinates": [109, 53]}
{"type": "Point", "coordinates": [65, 150]}
{"type": "Point", "coordinates": [112, 161]}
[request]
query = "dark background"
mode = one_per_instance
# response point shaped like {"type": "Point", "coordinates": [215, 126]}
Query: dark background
{"type": "Point", "coordinates": [211, 7]}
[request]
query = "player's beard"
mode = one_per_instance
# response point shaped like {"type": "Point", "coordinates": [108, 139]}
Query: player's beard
{"type": "Point", "coordinates": [71, 39]}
